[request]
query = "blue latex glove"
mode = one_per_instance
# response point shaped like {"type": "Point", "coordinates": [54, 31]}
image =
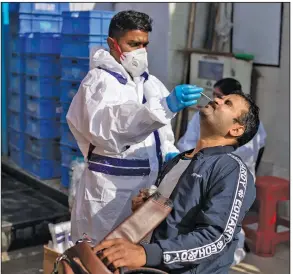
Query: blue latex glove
{"type": "Point", "coordinates": [183, 96]}
{"type": "Point", "coordinates": [170, 156]}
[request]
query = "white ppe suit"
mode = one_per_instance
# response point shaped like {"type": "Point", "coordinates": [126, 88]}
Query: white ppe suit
{"type": "Point", "coordinates": [128, 124]}
{"type": "Point", "coordinates": [247, 152]}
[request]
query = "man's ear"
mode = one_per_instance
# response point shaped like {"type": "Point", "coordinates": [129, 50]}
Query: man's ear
{"type": "Point", "coordinates": [111, 43]}
{"type": "Point", "coordinates": [237, 130]}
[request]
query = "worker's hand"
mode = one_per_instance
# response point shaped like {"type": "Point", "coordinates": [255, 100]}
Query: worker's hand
{"type": "Point", "coordinates": [183, 96]}
{"type": "Point", "coordinates": [122, 253]}
{"type": "Point", "coordinates": [139, 200]}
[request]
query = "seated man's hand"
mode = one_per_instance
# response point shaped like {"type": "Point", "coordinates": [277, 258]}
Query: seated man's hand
{"type": "Point", "coordinates": [138, 200]}
{"type": "Point", "coordinates": [120, 253]}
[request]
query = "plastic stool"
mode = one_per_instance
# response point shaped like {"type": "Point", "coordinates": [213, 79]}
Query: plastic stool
{"type": "Point", "coordinates": [269, 191]}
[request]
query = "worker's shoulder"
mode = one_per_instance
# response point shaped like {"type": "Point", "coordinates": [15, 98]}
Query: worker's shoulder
{"type": "Point", "coordinates": [94, 77]}
{"type": "Point", "coordinates": [155, 79]}
{"type": "Point", "coordinates": [91, 77]}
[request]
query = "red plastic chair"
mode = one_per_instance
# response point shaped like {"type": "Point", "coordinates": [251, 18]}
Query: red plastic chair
{"type": "Point", "coordinates": [269, 191]}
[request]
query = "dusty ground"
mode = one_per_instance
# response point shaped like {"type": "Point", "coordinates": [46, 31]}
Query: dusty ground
{"type": "Point", "coordinates": [279, 264]}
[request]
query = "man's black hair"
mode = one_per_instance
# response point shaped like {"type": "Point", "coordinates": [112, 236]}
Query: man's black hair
{"type": "Point", "coordinates": [250, 119]}
{"type": "Point", "coordinates": [227, 85]}
{"type": "Point", "coordinates": [129, 20]}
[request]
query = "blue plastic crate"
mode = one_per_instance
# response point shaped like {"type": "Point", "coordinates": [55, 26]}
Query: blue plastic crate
{"type": "Point", "coordinates": [50, 8]}
{"type": "Point", "coordinates": [65, 108]}
{"type": "Point", "coordinates": [42, 128]}
{"type": "Point", "coordinates": [16, 155]}
{"type": "Point", "coordinates": [25, 8]}
{"type": "Point", "coordinates": [17, 63]}
{"type": "Point", "coordinates": [80, 45]}
{"type": "Point", "coordinates": [43, 43]}
{"type": "Point", "coordinates": [42, 87]}
{"type": "Point", "coordinates": [67, 137]}
{"type": "Point", "coordinates": [68, 90]}
{"type": "Point", "coordinates": [14, 23]}
{"type": "Point", "coordinates": [16, 120]}
{"type": "Point", "coordinates": [23, 24]}
{"type": "Point", "coordinates": [42, 168]}
{"type": "Point", "coordinates": [43, 148]}
{"type": "Point", "coordinates": [44, 8]}
{"type": "Point", "coordinates": [69, 154]}
{"type": "Point", "coordinates": [16, 138]}
{"type": "Point", "coordinates": [40, 65]}
{"type": "Point", "coordinates": [74, 68]}
{"type": "Point", "coordinates": [43, 108]}
{"type": "Point", "coordinates": [13, 7]}
{"type": "Point", "coordinates": [17, 43]}
{"type": "Point", "coordinates": [87, 22]}
{"type": "Point", "coordinates": [16, 83]}
{"type": "Point", "coordinates": [40, 23]}
{"type": "Point", "coordinates": [16, 102]}
{"type": "Point", "coordinates": [65, 176]}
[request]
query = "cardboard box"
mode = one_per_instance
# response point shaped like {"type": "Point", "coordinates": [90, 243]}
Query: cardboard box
{"type": "Point", "coordinates": [50, 256]}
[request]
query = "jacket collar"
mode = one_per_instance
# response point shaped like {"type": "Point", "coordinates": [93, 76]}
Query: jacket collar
{"type": "Point", "coordinates": [217, 150]}
{"type": "Point", "coordinates": [209, 151]}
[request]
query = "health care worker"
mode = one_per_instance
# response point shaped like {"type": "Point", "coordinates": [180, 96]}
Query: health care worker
{"type": "Point", "coordinates": [120, 118]}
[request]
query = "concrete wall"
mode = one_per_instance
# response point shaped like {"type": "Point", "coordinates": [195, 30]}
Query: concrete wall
{"type": "Point", "coordinates": [178, 13]}
{"type": "Point", "coordinates": [273, 95]}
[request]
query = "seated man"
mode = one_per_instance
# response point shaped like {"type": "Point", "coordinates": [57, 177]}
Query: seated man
{"type": "Point", "coordinates": [213, 192]}
{"type": "Point", "coordinates": [247, 152]}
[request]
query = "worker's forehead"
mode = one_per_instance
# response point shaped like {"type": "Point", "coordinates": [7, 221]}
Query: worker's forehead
{"type": "Point", "coordinates": [136, 35]}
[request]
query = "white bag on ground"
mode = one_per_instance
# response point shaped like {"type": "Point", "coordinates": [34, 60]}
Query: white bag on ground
{"type": "Point", "coordinates": [61, 236]}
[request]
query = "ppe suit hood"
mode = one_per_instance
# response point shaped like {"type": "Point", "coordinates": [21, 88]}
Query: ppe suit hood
{"type": "Point", "coordinates": [104, 59]}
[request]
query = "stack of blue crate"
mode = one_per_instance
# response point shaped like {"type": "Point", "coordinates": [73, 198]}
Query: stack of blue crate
{"type": "Point", "coordinates": [42, 111]}
{"type": "Point", "coordinates": [16, 102]}
{"type": "Point", "coordinates": [38, 17]}
{"type": "Point", "coordinates": [39, 43]}
{"type": "Point", "coordinates": [80, 32]}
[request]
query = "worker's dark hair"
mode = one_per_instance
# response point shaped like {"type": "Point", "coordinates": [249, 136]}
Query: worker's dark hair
{"type": "Point", "coordinates": [227, 85]}
{"type": "Point", "coordinates": [250, 119]}
{"type": "Point", "coordinates": [129, 20]}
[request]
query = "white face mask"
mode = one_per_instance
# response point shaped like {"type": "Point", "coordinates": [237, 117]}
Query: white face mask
{"type": "Point", "coordinates": [135, 62]}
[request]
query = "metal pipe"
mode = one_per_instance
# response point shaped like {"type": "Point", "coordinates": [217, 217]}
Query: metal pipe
{"type": "Point", "coordinates": [185, 79]}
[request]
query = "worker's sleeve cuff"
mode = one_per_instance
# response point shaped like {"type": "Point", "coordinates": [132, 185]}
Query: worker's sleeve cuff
{"type": "Point", "coordinates": [154, 254]}
{"type": "Point", "coordinates": [169, 113]}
